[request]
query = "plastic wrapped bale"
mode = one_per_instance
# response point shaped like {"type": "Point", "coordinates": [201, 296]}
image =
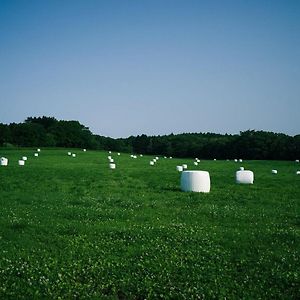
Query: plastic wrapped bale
{"type": "Point", "coordinates": [179, 168]}
{"type": "Point", "coordinates": [36, 154]}
{"type": "Point", "coordinates": [112, 166]}
{"type": "Point", "coordinates": [109, 152]}
{"type": "Point", "coordinates": [111, 160]}
{"type": "Point", "coordinates": [244, 177]}
{"type": "Point", "coordinates": [4, 161]}
{"type": "Point", "coordinates": [242, 168]}
{"type": "Point", "coordinates": [195, 163]}
{"type": "Point", "coordinates": [109, 157]}
{"type": "Point", "coordinates": [69, 153]}
{"type": "Point", "coordinates": [152, 163]}
{"type": "Point", "coordinates": [119, 154]}
{"type": "Point", "coordinates": [141, 155]}
{"type": "Point", "coordinates": [21, 162]}
{"type": "Point", "coordinates": [195, 181]}
{"type": "Point", "coordinates": [297, 160]}
{"type": "Point", "coordinates": [38, 150]}
{"type": "Point", "coordinates": [84, 150]}
{"type": "Point", "coordinates": [298, 173]}
{"type": "Point", "coordinates": [24, 158]}
{"type": "Point", "coordinates": [184, 166]}
{"type": "Point", "coordinates": [73, 155]}
{"type": "Point", "coordinates": [170, 157]}
{"type": "Point", "coordinates": [156, 157]}
{"type": "Point", "coordinates": [215, 159]}
{"type": "Point", "coordinates": [235, 160]}
{"type": "Point", "coordinates": [274, 171]}
{"type": "Point", "coordinates": [240, 160]}
{"type": "Point", "coordinates": [154, 160]}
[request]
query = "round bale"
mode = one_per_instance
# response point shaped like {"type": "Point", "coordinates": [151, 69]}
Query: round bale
{"type": "Point", "coordinates": [244, 177]}
{"type": "Point", "coordinates": [21, 162]}
{"type": "Point", "coordinates": [179, 168]}
{"type": "Point", "coordinates": [195, 181]}
{"type": "Point", "coordinates": [4, 161]}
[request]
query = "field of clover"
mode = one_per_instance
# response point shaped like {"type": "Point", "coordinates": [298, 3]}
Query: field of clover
{"type": "Point", "coordinates": [70, 227]}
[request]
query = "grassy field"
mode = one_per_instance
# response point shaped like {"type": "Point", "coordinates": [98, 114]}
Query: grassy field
{"type": "Point", "coordinates": [72, 228]}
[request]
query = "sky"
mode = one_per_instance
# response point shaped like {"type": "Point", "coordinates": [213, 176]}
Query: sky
{"type": "Point", "coordinates": [154, 67]}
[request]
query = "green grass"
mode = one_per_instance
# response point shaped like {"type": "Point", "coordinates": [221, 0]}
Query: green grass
{"type": "Point", "coordinates": [71, 228]}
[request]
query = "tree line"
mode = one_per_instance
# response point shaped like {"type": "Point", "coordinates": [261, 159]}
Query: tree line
{"type": "Point", "coordinates": [250, 144]}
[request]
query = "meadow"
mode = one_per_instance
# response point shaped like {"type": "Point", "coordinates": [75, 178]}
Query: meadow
{"type": "Point", "coordinates": [71, 228]}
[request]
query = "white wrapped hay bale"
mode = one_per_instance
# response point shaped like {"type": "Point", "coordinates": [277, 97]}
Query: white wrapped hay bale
{"type": "Point", "coordinates": [38, 150]}
{"type": "Point", "coordinates": [240, 160]}
{"type": "Point", "coordinates": [179, 168]}
{"type": "Point", "coordinates": [119, 154]}
{"type": "Point", "coordinates": [154, 160]}
{"type": "Point", "coordinates": [111, 160]}
{"type": "Point", "coordinates": [134, 156]}
{"type": "Point", "coordinates": [215, 159]}
{"type": "Point", "coordinates": [244, 177]}
{"type": "Point", "coordinates": [73, 155]}
{"type": "Point", "coordinates": [84, 150]}
{"type": "Point", "coordinates": [195, 163]}
{"type": "Point", "coordinates": [165, 157]}
{"type": "Point", "coordinates": [242, 168]}
{"type": "Point", "coordinates": [112, 166]}
{"type": "Point", "coordinates": [109, 152]}
{"type": "Point", "coordinates": [21, 162]}
{"type": "Point", "coordinates": [141, 155]}
{"type": "Point", "coordinates": [297, 160]}
{"type": "Point", "coordinates": [184, 166]}
{"type": "Point", "coordinates": [36, 154]}
{"type": "Point", "coordinates": [109, 157]}
{"type": "Point", "coordinates": [4, 161]}
{"type": "Point", "coordinates": [170, 157]}
{"type": "Point", "coordinates": [274, 171]}
{"type": "Point", "coordinates": [69, 153]}
{"type": "Point", "coordinates": [152, 163]}
{"type": "Point", "coordinates": [24, 158]}
{"type": "Point", "coordinates": [195, 181]}
{"type": "Point", "coordinates": [298, 173]}
{"type": "Point", "coordinates": [156, 157]}
{"type": "Point", "coordinates": [235, 160]}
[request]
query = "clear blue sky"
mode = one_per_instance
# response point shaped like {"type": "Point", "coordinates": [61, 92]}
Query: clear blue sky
{"type": "Point", "coordinates": [158, 66]}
